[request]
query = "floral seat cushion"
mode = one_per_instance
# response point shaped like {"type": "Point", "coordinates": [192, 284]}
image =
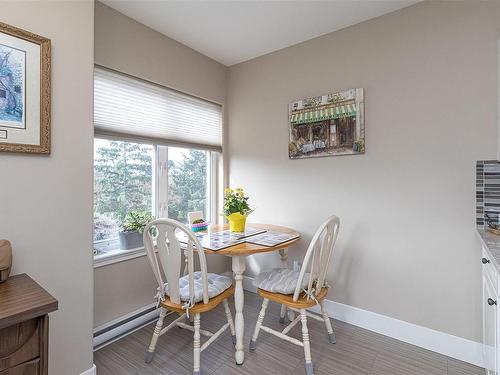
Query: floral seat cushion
{"type": "Point", "coordinates": [280, 280]}
{"type": "Point", "coordinates": [216, 285]}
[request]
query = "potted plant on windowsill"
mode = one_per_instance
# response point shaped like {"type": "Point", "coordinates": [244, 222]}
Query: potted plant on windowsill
{"type": "Point", "coordinates": [133, 228]}
{"type": "Point", "coordinates": [236, 209]}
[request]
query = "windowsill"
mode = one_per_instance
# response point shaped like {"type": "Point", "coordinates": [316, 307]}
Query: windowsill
{"type": "Point", "coordinates": [116, 256]}
{"type": "Point", "coordinates": [107, 257]}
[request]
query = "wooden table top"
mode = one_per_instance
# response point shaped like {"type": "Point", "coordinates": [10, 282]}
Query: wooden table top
{"type": "Point", "coordinates": [21, 298]}
{"type": "Point", "coordinates": [246, 248]}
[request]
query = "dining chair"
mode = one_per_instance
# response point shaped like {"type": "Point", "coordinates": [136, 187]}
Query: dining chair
{"type": "Point", "coordinates": [300, 290]}
{"type": "Point", "coordinates": [192, 294]}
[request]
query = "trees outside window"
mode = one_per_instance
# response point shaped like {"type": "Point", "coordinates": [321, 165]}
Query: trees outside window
{"type": "Point", "coordinates": [187, 182]}
{"type": "Point", "coordinates": [123, 180]}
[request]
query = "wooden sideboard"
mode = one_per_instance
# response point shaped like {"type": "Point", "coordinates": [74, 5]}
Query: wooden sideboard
{"type": "Point", "coordinates": [24, 326]}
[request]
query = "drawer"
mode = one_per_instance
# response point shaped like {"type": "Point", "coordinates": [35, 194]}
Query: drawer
{"type": "Point", "coordinates": [27, 368]}
{"type": "Point", "coordinates": [489, 270]}
{"type": "Point", "coordinates": [19, 343]}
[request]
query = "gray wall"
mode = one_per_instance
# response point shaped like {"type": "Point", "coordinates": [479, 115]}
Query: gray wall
{"type": "Point", "coordinates": [46, 201]}
{"type": "Point", "coordinates": [130, 47]}
{"type": "Point", "coordinates": [407, 247]}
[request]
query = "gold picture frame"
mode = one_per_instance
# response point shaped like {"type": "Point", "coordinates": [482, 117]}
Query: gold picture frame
{"type": "Point", "coordinates": [35, 120]}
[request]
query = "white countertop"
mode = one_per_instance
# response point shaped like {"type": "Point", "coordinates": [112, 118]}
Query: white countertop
{"type": "Point", "coordinates": [491, 242]}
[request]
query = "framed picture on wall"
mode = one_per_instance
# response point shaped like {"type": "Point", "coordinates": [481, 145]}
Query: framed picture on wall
{"type": "Point", "coordinates": [327, 125]}
{"type": "Point", "coordinates": [24, 91]}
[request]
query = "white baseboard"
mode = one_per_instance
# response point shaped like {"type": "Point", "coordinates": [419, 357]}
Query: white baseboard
{"type": "Point", "coordinates": [124, 325]}
{"type": "Point", "coordinates": [90, 371]}
{"type": "Point", "coordinates": [436, 341]}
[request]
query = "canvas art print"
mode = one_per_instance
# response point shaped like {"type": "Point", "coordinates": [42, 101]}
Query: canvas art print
{"type": "Point", "coordinates": [327, 125]}
{"type": "Point", "coordinates": [24, 91]}
{"type": "Point", "coordinates": [12, 86]}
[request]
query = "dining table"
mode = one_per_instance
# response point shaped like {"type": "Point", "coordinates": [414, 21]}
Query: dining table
{"type": "Point", "coordinates": [238, 254]}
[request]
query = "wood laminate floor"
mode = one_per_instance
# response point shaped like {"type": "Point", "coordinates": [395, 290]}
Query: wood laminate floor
{"type": "Point", "coordinates": [357, 351]}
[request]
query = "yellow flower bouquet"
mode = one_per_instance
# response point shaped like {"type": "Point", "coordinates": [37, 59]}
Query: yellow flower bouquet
{"type": "Point", "coordinates": [236, 209]}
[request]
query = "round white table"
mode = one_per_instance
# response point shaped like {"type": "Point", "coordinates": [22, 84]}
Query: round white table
{"type": "Point", "coordinates": [238, 253]}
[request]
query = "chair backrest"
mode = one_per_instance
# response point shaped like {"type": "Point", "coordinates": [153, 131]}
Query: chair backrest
{"type": "Point", "coordinates": [164, 232]}
{"type": "Point", "coordinates": [194, 215]}
{"type": "Point", "coordinates": [318, 257]}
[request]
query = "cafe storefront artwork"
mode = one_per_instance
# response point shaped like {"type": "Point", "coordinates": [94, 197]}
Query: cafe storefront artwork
{"type": "Point", "coordinates": [327, 125]}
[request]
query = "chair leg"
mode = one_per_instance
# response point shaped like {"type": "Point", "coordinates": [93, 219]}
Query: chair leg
{"type": "Point", "coordinates": [229, 318]}
{"type": "Point", "coordinates": [290, 315]}
{"type": "Point", "coordinates": [307, 345]}
{"type": "Point", "coordinates": [156, 334]}
{"type": "Point", "coordinates": [260, 319]}
{"type": "Point", "coordinates": [196, 345]}
{"type": "Point", "coordinates": [283, 314]}
{"type": "Point", "coordinates": [328, 323]}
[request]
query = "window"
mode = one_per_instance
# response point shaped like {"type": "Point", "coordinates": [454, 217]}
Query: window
{"type": "Point", "coordinates": [188, 188]}
{"type": "Point", "coordinates": [155, 150]}
{"type": "Point", "coordinates": [123, 182]}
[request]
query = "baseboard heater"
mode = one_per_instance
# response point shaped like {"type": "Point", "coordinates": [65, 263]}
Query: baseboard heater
{"type": "Point", "coordinates": [124, 325]}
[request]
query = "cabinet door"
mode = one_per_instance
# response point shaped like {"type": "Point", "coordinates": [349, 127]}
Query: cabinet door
{"type": "Point", "coordinates": [19, 343]}
{"type": "Point", "coordinates": [490, 326]}
{"type": "Point", "coordinates": [27, 368]}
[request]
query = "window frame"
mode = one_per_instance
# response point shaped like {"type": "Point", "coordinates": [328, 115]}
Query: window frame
{"type": "Point", "coordinates": [160, 189]}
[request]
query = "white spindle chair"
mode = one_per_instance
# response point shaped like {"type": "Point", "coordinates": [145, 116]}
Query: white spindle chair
{"type": "Point", "coordinates": [316, 261]}
{"type": "Point", "coordinates": [168, 263]}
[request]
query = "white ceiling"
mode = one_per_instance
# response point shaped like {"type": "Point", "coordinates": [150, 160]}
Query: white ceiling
{"type": "Point", "coordinates": [235, 31]}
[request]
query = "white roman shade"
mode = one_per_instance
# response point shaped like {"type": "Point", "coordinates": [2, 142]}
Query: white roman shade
{"type": "Point", "coordinates": [129, 107]}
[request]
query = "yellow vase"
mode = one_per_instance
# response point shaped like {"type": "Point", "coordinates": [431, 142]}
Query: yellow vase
{"type": "Point", "coordinates": [237, 222]}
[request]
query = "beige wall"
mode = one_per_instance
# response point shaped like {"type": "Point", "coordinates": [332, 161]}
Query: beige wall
{"type": "Point", "coordinates": [130, 47]}
{"type": "Point", "coordinates": [46, 207]}
{"type": "Point", "coordinates": [121, 288]}
{"type": "Point", "coordinates": [407, 247]}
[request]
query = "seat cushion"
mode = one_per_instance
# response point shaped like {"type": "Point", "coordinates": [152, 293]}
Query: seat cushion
{"type": "Point", "coordinates": [280, 280]}
{"type": "Point", "coordinates": [216, 285]}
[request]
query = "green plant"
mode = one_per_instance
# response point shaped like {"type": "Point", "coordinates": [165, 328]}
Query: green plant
{"type": "Point", "coordinates": [235, 201]}
{"type": "Point", "coordinates": [293, 148]}
{"type": "Point", "coordinates": [359, 146]}
{"type": "Point", "coordinates": [136, 221]}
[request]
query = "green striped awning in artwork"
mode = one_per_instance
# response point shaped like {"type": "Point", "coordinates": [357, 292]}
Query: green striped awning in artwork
{"type": "Point", "coordinates": [323, 114]}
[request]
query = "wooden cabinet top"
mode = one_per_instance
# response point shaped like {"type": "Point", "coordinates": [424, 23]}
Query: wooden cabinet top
{"type": "Point", "coordinates": [21, 298]}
